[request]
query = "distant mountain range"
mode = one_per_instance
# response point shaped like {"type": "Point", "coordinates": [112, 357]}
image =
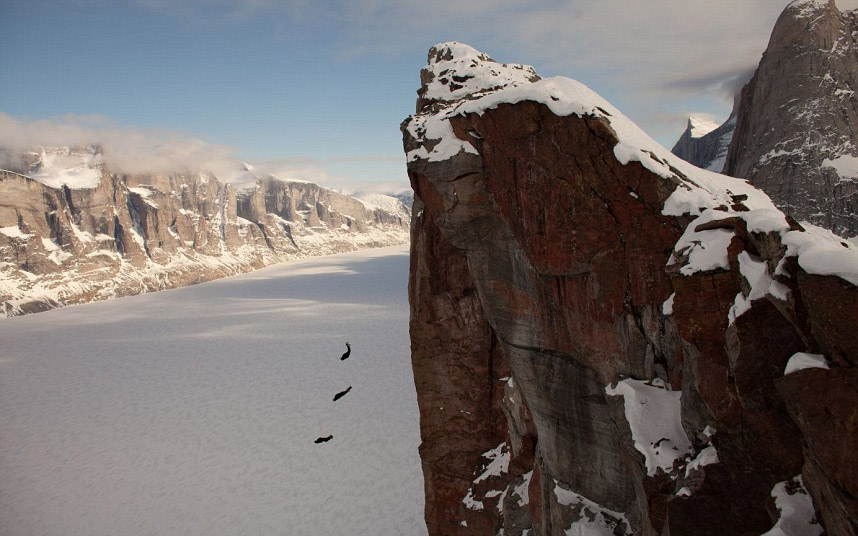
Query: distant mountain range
{"type": "Point", "coordinates": [794, 125]}
{"type": "Point", "coordinates": [71, 231]}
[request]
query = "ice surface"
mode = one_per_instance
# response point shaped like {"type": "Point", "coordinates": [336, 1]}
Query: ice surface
{"type": "Point", "coordinates": [193, 411]}
{"type": "Point", "coordinates": [653, 414]}
{"type": "Point", "coordinates": [801, 361]}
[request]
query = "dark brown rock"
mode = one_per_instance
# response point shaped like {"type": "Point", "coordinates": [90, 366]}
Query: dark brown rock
{"type": "Point", "coordinates": [538, 253]}
{"type": "Point", "coordinates": [824, 404]}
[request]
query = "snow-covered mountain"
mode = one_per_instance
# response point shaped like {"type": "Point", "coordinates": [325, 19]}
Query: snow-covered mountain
{"type": "Point", "coordinates": [704, 143]}
{"type": "Point", "coordinates": [387, 203]}
{"type": "Point", "coordinates": [796, 120]}
{"type": "Point", "coordinates": [71, 231]}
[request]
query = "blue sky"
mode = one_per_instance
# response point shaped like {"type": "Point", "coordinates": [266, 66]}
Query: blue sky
{"type": "Point", "coordinates": [321, 87]}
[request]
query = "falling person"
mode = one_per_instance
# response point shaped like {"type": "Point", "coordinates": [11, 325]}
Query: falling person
{"type": "Point", "coordinates": [348, 352]}
{"type": "Point", "coordinates": [342, 393]}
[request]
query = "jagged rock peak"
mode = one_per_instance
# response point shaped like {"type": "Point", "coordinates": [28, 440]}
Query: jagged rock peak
{"type": "Point", "coordinates": [700, 126]}
{"type": "Point", "coordinates": [808, 8]}
{"type": "Point", "coordinates": [704, 143]}
{"type": "Point", "coordinates": [455, 71]}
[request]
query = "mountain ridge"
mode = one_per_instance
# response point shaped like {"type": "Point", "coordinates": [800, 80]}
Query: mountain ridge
{"type": "Point", "coordinates": [138, 233]}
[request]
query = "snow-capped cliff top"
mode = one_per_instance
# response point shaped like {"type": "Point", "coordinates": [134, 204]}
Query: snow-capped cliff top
{"type": "Point", "coordinates": [702, 194]}
{"type": "Point", "coordinates": [700, 189]}
{"type": "Point", "coordinates": [456, 70]}
{"type": "Point", "coordinates": [806, 8]}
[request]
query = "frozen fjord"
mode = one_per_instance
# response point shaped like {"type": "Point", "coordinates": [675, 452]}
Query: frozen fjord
{"type": "Point", "coordinates": [194, 410]}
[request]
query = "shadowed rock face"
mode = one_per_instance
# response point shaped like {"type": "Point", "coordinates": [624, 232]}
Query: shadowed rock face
{"type": "Point", "coordinates": [133, 234]}
{"type": "Point", "coordinates": [548, 265]}
{"type": "Point", "coordinates": [798, 116]}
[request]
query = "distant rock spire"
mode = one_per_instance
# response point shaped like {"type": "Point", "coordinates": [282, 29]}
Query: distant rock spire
{"type": "Point", "coordinates": [797, 119]}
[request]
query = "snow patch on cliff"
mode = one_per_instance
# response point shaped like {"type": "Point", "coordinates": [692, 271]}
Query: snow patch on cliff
{"type": "Point", "coordinates": [14, 232]}
{"type": "Point", "coordinates": [797, 514]}
{"type": "Point", "coordinates": [653, 414]}
{"type": "Point", "coordinates": [846, 166]}
{"type": "Point", "coordinates": [593, 519]}
{"type": "Point", "coordinates": [802, 360]}
{"type": "Point", "coordinates": [756, 273]}
{"type": "Point", "coordinates": [822, 252]}
{"type": "Point", "coordinates": [498, 462]}
{"type": "Point", "coordinates": [707, 456]}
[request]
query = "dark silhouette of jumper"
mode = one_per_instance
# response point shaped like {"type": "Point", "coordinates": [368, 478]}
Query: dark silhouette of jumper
{"type": "Point", "coordinates": [348, 352]}
{"type": "Point", "coordinates": [323, 439]}
{"type": "Point", "coordinates": [342, 393]}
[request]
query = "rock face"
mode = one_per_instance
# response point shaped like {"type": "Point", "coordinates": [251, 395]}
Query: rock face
{"type": "Point", "coordinates": [706, 147]}
{"type": "Point", "coordinates": [796, 121]}
{"type": "Point", "coordinates": [132, 234]}
{"type": "Point", "coordinates": [600, 331]}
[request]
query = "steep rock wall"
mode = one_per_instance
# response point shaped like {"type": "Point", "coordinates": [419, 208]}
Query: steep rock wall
{"type": "Point", "coordinates": [646, 311]}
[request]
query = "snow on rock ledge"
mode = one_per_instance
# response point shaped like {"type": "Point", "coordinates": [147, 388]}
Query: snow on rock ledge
{"type": "Point", "coordinates": [591, 519]}
{"type": "Point", "coordinates": [802, 360]}
{"type": "Point", "coordinates": [797, 514]}
{"type": "Point", "coordinates": [653, 414]}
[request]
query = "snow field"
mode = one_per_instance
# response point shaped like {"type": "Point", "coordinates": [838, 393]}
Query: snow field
{"type": "Point", "coordinates": [193, 411]}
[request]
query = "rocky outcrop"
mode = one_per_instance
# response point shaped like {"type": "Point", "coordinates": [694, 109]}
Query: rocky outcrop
{"type": "Point", "coordinates": [797, 119]}
{"type": "Point", "coordinates": [600, 331]}
{"type": "Point", "coordinates": [137, 233]}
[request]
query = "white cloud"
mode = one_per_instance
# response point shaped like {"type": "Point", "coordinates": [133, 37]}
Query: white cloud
{"type": "Point", "coordinates": [134, 150]}
{"type": "Point", "coordinates": [126, 149]}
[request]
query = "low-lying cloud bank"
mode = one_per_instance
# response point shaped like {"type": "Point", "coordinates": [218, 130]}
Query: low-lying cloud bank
{"type": "Point", "coordinates": [134, 150]}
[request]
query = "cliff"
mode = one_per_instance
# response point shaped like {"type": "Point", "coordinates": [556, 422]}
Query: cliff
{"type": "Point", "coordinates": [115, 235]}
{"type": "Point", "coordinates": [797, 118]}
{"type": "Point", "coordinates": [601, 332]}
